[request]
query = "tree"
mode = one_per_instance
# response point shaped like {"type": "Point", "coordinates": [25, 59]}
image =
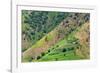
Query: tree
{"type": "Point", "coordinates": [57, 45]}
{"type": "Point", "coordinates": [48, 50]}
{"type": "Point", "coordinates": [56, 59]}
{"type": "Point", "coordinates": [64, 50]}
{"type": "Point", "coordinates": [38, 57]}
{"type": "Point", "coordinates": [46, 39]}
{"type": "Point", "coordinates": [42, 54]}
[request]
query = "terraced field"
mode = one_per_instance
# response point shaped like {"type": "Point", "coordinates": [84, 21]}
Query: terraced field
{"type": "Point", "coordinates": [68, 40]}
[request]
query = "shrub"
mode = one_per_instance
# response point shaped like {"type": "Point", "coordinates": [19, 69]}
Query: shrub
{"type": "Point", "coordinates": [29, 59]}
{"type": "Point", "coordinates": [64, 50]}
{"type": "Point", "coordinates": [48, 50]}
{"type": "Point", "coordinates": [64, 54]}
{"type": "Point", "coordinates": [46, 39]}
{"type": "Point", "coordinates": [57, 46]}
{"type": "Point", "coordinates": [53, 48]}
{"type": "Point", "coordinates": [67, 21]}
{"type": "Point", "coordinates": [42, 54]}
{"type": "Point", "coordinates": [74, 18]}
{"type": "Point", "coordinates": [56, 59]}
{"type": "Point", "coordinates": [38, 57]}
{"type": "Point", "coordinates": [72, 48]}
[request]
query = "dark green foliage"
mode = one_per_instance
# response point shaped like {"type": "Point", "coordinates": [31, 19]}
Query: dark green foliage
{"type": "Point", "coordinates": [42, 54]}
{"type": "Point", "coordinates": [64, 50]}
{"type": "Point", "coordinates": [56, 59]}
{"type": "Point", "coordinates": [64, 54]}
{"type": "Point", "coordinates": [35, 24]}
{"type": "Point", "coordinates": [71, 48]}
{"type": "Point", "coordinates": [57, 46]}
{"type": "Point", "coordinates": [53, 48]}
{"type": "Point", "coordinates": [38, 57]}
{"type": "Point", "coordinates": [48, 50]}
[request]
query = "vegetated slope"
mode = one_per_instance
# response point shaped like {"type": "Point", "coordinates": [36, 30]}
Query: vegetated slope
{"type": "Point", "coordinates": [66, 27]}
{"type": "Point", "coordinates": [84, 39]}
{"type": "Point", "coordinates": [36, 24]}
{"type": "Point", "coordinates": [75, 46]}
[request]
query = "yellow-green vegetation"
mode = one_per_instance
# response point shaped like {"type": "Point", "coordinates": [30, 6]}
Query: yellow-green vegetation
{"type": "Point", "coordinates": [70, 48]}
{"type": "Point", "coordinates": [68, 39]}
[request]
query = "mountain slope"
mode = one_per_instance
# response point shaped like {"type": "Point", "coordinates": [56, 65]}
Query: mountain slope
{"type": "Point", "coordinates": [36, 24]}
{"type": "Point", "coordinates": [72, 47]}
{"type": "Point", "coordinates": [66, 27]}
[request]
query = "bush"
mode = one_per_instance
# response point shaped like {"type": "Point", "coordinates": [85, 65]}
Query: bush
{"type": "Point", "coordinates": [57, 46]}
{"type": "Point", "coordinates": [46, 39]}
{"type": "Point", "coordinates": [64, 50]}
{"type": "Point", "coordinates": [72, 48]}
{"type": "Point", "coordinates": [48, 50]}
{"type": "Point", "coordinates": [64, 54]}
{"type": "Point", "coordinates": [53, 48]}
{"type": "Point", "coordinates": [67, 21]}
{"type": "Point", "coordinates": [56, 59]}
{"type": "Point", "coordinates": [74, 18]}
{"type": "Point", "coordinates": [38, 57]}
{"type": "Point", "coordinates": [29, 59]}
{"type": "Point", "coordinates": [42, 54]}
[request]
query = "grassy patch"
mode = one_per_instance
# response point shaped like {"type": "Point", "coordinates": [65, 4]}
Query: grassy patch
{"type": "Point", "coordinates": [64, 49]}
